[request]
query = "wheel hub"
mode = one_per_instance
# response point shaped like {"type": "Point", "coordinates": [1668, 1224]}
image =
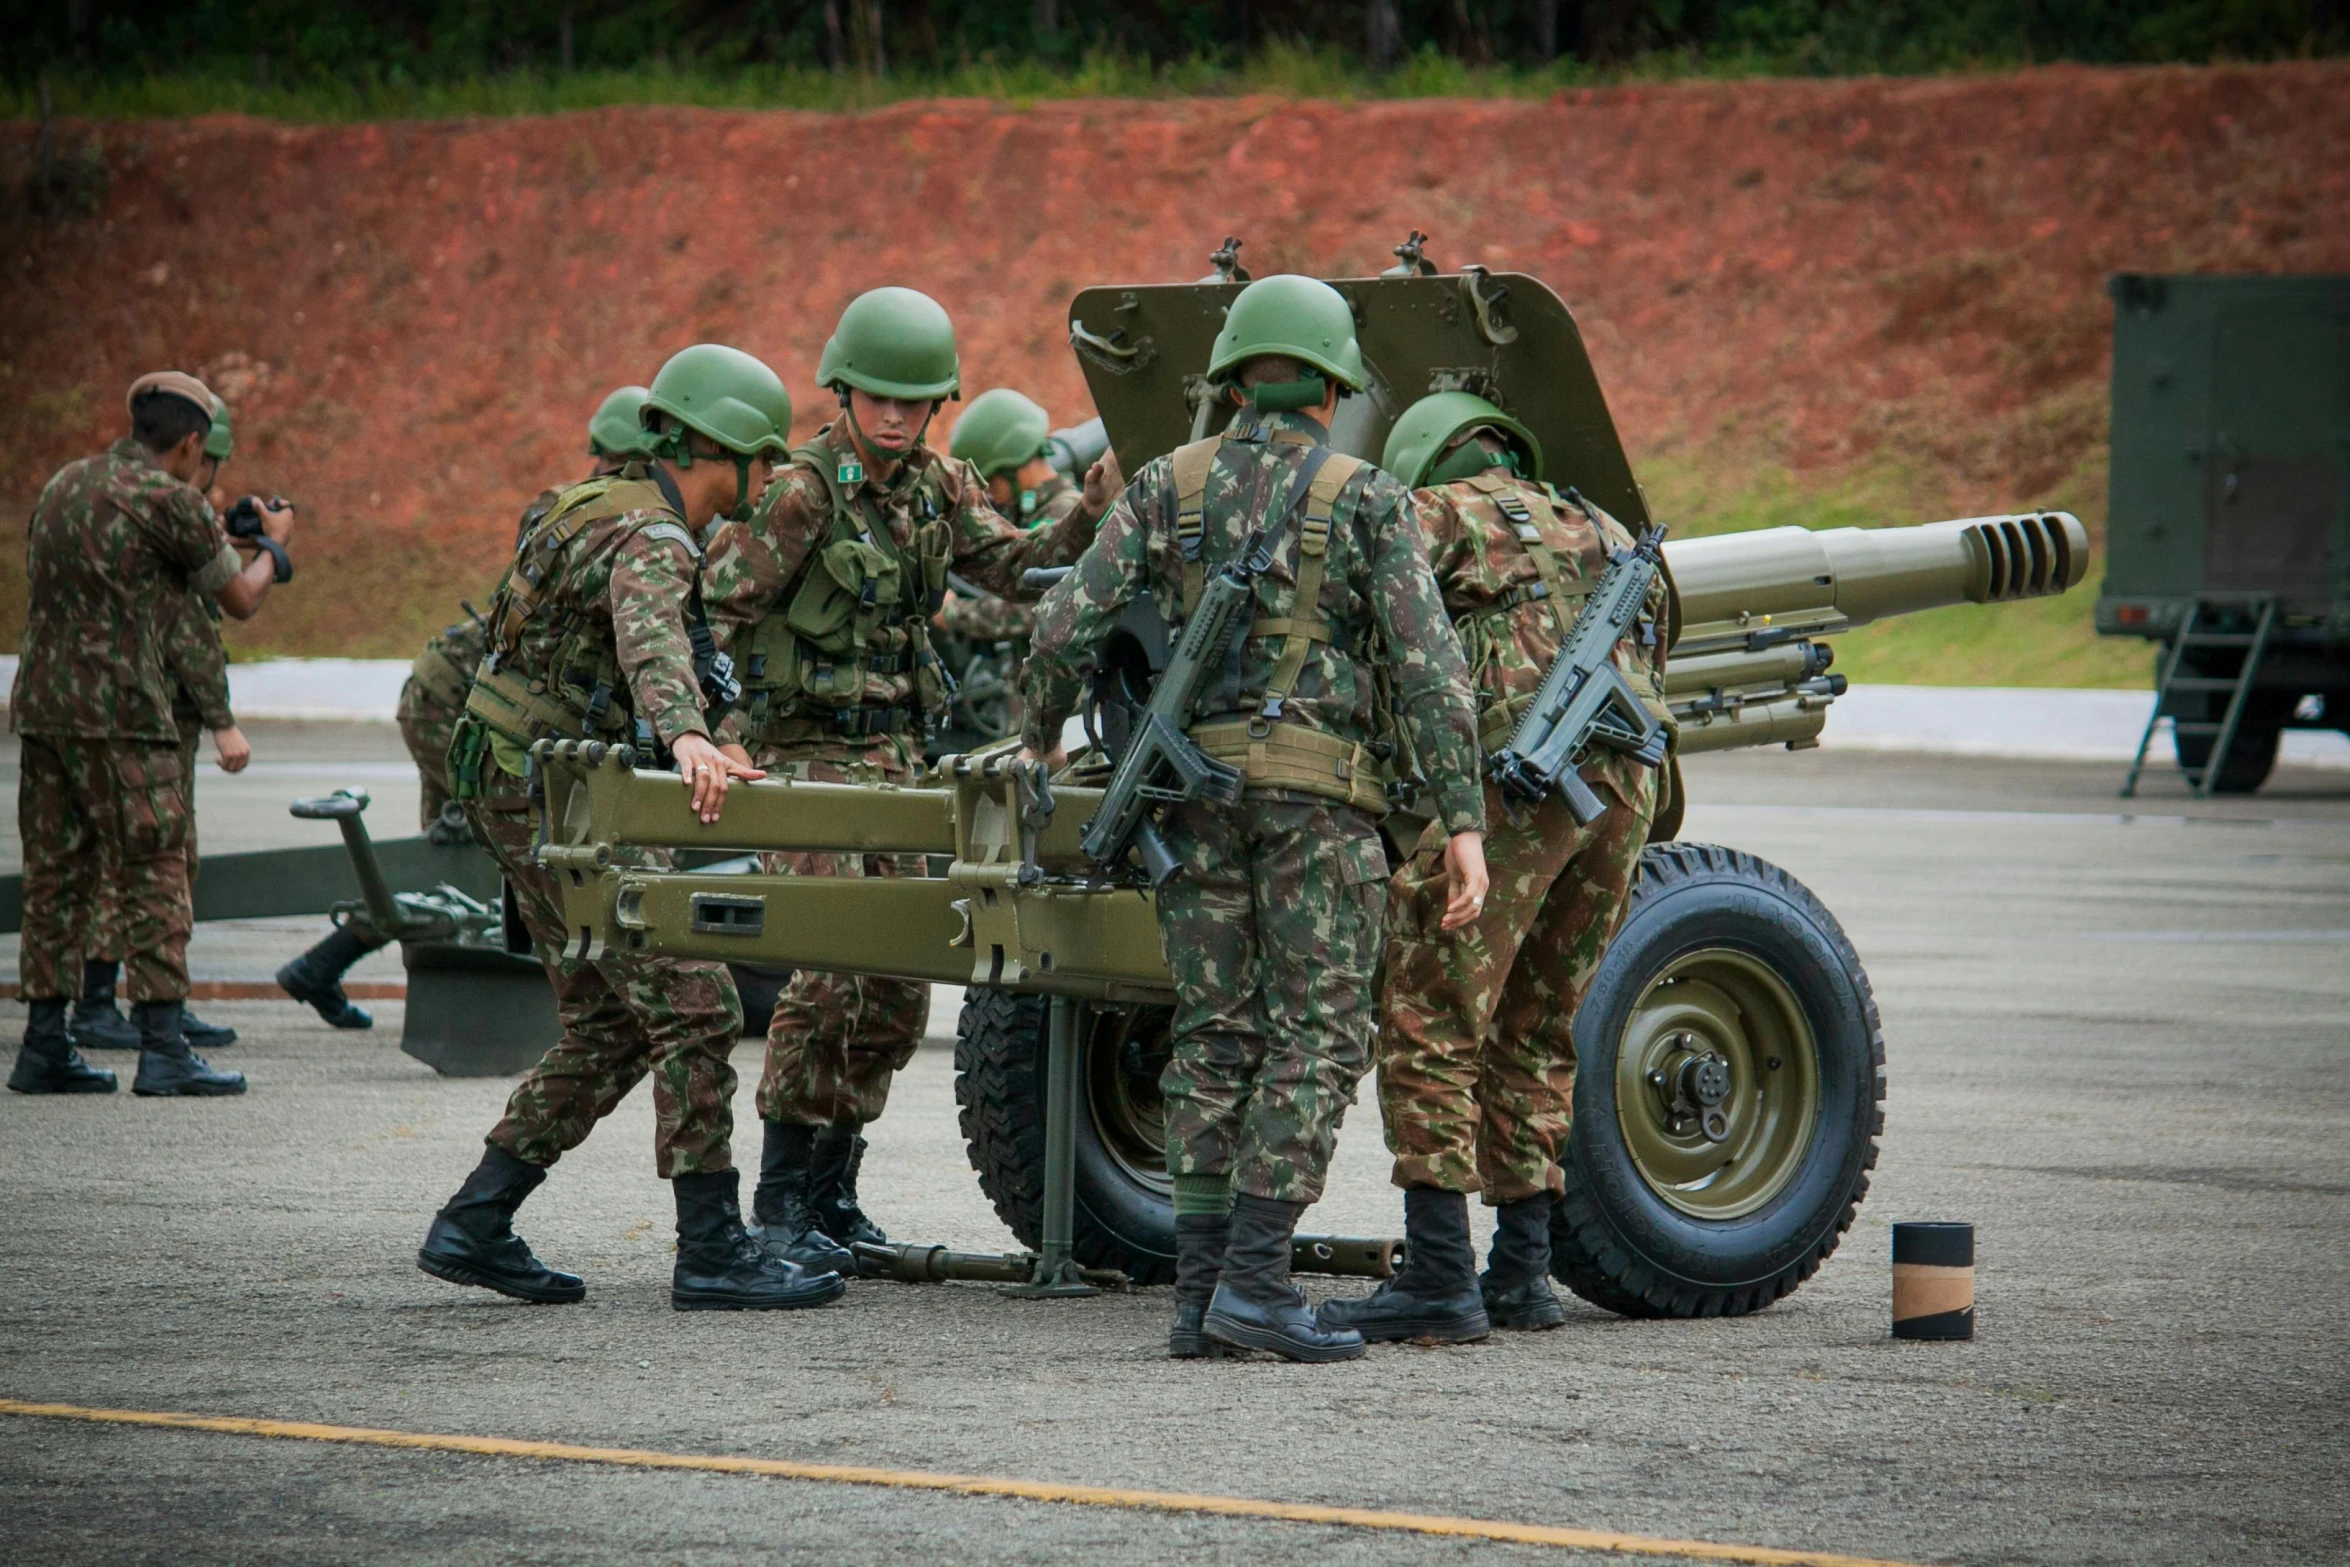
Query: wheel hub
{"type": "Point", "coordinates": [1693, 1087]}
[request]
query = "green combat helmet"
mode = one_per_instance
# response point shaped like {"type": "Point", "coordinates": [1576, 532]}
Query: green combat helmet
{"type": "Point", "coordinates": [1300, 318]}
{"type": "Point", "coordinates": [1001, 432]}
{"type": "Point", "coordinates": [219, 441]}
{"type": "Point", "coordinates": [618, 428]}
{"type": "Point", "coordinates": [893, 342]}
{"type": "Point", "coordinates": [726, 395]}
{"type": "Point", "coordinates": [1416, 447]}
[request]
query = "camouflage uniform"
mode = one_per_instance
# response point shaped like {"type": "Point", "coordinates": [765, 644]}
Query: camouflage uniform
{"type": "Point", "coordinates": [115, 548]}
{"type": "Point", "coordinates": [199, 704]}
{"type": "Point", "coordinates": [987, 618]}
{"type": "Point", "coordinates": [1272, 929]}
{"type": "Point", "coordinates": [605, 615]}
{"type": "Point", "coordinates": [432, 699]}
{"type": "Point", "coordinates": [1476, 1044]}
{"type": "Point", "coordinates": [836, 1039]}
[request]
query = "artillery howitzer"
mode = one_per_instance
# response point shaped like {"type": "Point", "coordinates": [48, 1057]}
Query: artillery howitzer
{"type": "Point", "coordinates": [1732, 1066]}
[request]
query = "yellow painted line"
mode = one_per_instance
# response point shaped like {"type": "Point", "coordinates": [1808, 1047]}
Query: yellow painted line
{"type": "Point", "coordinates": [962, 1485]}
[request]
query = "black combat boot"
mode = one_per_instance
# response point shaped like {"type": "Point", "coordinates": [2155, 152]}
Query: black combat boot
{"type": "Point", "coordinates": [48, 1062]}
{"type": "Point", "coordinates": [1255, 1306]}
{"type": "Point", "coordinates": [1516, 1282]}
{"type": "Point", "coordinates": [719, 1266]}
{"type": "Point", "coordinates": [1200, 1242]}
{"type": "Point", "coordinates": [472, 1239]}
{"type": "Point", "coordinates": [832, 1186]}
{"type": "Point", "coordinates": [1434, 1298]}
{"type": "Point", "coordinates": [316, 977]}
{"type": "Point", "coordinates": [788, 1225]}
{"type": "Point", "coordinates": [97, 1023]}
{"type": "Point", "coordinates": [203, 1035]}
{"type": "Point", "coordinates": [167, 1066]}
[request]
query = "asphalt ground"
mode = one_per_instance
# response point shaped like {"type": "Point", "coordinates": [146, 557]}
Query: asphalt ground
{"type": "Point", "coordinates": [2117, 1039]}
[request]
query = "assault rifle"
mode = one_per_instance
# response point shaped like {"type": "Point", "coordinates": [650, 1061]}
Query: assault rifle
{"type": "Point", "coordinates": [1584, 700]}
{"type": "Point", "coordinates": [1161, 764]}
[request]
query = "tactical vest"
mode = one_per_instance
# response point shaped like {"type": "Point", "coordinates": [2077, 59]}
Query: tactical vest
{"type": "Point", "coordinates": [444, 670]}
{"type": "Point", "coordinates": [1271, 752]}
{"type": "Point", "coordinates": [1497, 717]}
{"type": "Point", "coordinates": [846, 654]}
{"type": "Point", "coordinates": [582, 693]}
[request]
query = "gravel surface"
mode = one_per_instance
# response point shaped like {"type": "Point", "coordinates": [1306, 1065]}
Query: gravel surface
{"type": "Point", "coordinates": [2116, 1045]}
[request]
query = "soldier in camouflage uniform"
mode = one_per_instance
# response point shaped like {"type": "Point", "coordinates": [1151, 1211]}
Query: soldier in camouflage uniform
{"type": "Point", "coordinates": [1272, 926]}
{"type": "Point", "coordinates": [592, 636]}
{"type": "Point", "coordinates": [432, 699]}
{"type": "Point", "coordinates": [823, 597]}
{"type": "Point", "coordinates": [1476, 1040]}
{"type": "Point", "coordinates": [116, 542]}
{"type": "Point", "coordinates": [198, 667]}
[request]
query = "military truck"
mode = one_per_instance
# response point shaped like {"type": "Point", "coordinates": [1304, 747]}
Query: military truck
{"type": "Point", "coordinates": [1732, 1065]}
{"type": "Point", "coordinates": [2228, 533]}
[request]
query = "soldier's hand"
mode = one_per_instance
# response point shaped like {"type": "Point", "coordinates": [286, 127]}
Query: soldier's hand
{"type": "Point", "coordinates": [231, 749]}
{"type": "Point", "coordinates": [1464, 868]}
{"type": "Point", "coordinates": [1103, 481]}
{"type": "Point", "coordinates": [706, 771]}
{"type": "Point", "coordinates": [277, 518]}
{"type": "Point", "coordinates": [1054, 760]}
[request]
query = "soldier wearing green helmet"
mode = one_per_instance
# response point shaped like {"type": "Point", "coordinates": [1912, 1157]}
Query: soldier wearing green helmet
{"type": "Point", "coordinates": [1476, 1041]}
{"type": "Point", "coordinates": [1004, 435]}
{"type": "Point", "coordinates": [824, 597]}
{"type": "Point", "coordinates": [593, 635]}
{"type": "Point", "coordinates": [432, 699]}
{"type": "Point", "coordinates": [1272, 924]}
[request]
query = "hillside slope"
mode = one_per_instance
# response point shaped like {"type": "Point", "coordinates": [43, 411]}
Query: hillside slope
{"type": "Point", "coordinates": [1857, 300]}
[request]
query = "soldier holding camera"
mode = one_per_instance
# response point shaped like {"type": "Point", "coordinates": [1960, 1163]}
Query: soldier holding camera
{"type": "Point", "coordinates": [115, 543]}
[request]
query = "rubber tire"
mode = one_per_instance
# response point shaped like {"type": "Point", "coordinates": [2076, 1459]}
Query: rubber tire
{"type": "Point", "coordinates": [2252, 753]}
{"type": "Point", "coordinates": [1614, 1241]}
{"type": "Point", "coordinates": [1000, 1044]}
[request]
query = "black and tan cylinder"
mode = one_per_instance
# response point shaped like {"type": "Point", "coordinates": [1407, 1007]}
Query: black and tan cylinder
{"type": "Point", "coordinates": [1934, 1281]}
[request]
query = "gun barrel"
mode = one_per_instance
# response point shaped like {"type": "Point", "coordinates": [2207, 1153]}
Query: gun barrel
{"type": "Point", "coordinates": [1751, 590]}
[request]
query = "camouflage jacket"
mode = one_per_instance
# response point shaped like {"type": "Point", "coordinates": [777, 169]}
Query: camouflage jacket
{"type": "Point", "coordinates": [1377, 597]}
{"type": "Point", "coordinates": [984, 617]}
{"type": "Point", "coordinates": [114, 548]}
{"type": "Point", "coordinates": [609, 613]}
{"type": "Point", "coordinates": [444, 670]}
{"type": "Point", "coordinates": [755, 567]}
{"type": "Point", "coordinates": [198, 663]}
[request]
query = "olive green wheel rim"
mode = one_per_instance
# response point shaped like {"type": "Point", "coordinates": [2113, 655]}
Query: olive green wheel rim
{"type": "Point", "coordinates": [1125, 1049]}
{"type": "Point", "coordinates": [1712, 1015]}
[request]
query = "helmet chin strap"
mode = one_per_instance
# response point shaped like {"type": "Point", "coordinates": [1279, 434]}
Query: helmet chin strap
{"type": "Point", "coordinates": [848, 410]}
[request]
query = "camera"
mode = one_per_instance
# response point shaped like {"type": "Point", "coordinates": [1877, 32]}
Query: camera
{"type": "Point", "coordinates": [244, 518]}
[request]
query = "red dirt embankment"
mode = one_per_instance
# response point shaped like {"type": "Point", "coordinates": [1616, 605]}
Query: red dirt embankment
{"type": "Point", "coordinates": [414, 319]}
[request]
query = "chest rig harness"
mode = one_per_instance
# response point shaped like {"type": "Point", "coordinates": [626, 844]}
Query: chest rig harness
{"type": "Point", "coordinates": [848, 654]}
{"type": "Point", "coordinates": [1270, 751]}
{"type": "Point", "coordinates": [581, 692]}
{"type": "Point", "coordinates": [1482, 628]}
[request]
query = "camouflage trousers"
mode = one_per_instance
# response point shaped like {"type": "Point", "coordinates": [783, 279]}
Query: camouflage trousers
{"type": "Point", "coordinates": [100, 816]}
{"type": "Point", "coordinates": [1476, 1027]}
{"type": "Point", "coordinates": [105, 942]}
{"type": "Point", "coordinates": [1272, 931]}
{"type": "Point", "coordinates": [623, 1017]}
{"type": "Point", "coordinates": [836, 1040]}
{"type": "Point", "coordinates": [427, 725]}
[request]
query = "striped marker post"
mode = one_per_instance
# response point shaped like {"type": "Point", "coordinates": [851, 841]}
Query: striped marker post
{"type": "Point", "coordinates": [1934, 1281]}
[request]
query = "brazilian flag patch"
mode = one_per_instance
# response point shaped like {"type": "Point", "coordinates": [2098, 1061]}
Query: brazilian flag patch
{"type": "Point", "coordinates": [850, 471]}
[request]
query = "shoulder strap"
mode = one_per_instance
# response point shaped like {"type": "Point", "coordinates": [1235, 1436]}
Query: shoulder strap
{"type": "Point", "coordinates": [1304, 625]}
{"type": "Point", "coordinates": [1508, 495]}
{"type": "Point", "coordinates": [535, 559]}
{"type": "Point", "coordinates": [1191, 465]}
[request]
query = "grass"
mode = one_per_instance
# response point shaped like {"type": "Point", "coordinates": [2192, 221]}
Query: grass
{"type": "Point", "coordinates": [1281, 68]}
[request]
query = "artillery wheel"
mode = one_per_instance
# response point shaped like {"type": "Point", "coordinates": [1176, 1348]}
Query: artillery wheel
{"type": "Point", "coordinates": [1125, 1203]}
{"type": "Point", "coordinates": [1728, 1098]}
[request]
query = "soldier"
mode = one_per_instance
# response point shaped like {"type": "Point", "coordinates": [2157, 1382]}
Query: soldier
{"type": "Point", "coordinates": [1272, 925]}
{"type": "Point", "coordinates": [824, 598]}
{"type": "Point", "coordinates": [431, 700]}
{"type": "Point", "coordinates": [1004, 436]}
{"type": "Point", "coordinates": [1476, 1040]}
{"type": "Point", "coordinates": [198, 667]}
{"type": "Point", "coordinates": [114, 543]}
{"type": "Point", "coordinates": [592, 636]}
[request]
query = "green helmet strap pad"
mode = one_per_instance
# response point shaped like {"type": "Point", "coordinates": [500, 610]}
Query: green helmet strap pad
{"type": "Point", "coordinates": [1469, 459]}
{"type": "Point", "coordinates": [1289, 396]}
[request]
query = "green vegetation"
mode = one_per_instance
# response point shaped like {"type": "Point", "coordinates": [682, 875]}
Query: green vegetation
{"type": "Point", "coordinates": [340, 60]}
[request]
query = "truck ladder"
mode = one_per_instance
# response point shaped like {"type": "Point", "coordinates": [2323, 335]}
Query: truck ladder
{"type": "Point", "coordinates": [2263, 610]}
